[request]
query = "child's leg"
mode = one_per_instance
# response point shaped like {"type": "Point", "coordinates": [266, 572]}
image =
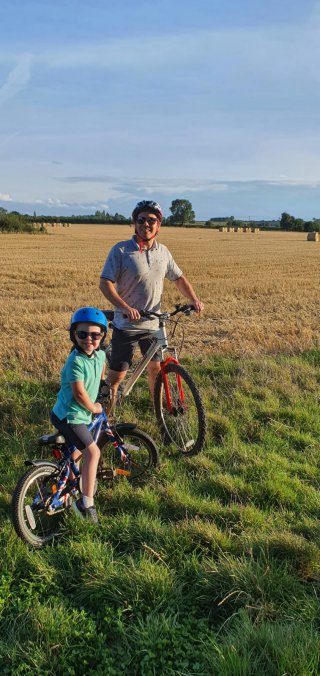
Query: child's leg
{"type": "Point", "coordinates": [91, 455]}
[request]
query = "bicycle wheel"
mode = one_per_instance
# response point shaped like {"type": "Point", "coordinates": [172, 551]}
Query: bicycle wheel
{"type": "Point", "coordinates": [181, 417]}
{"type": "Point", "coordinates": [32, 521]}
{"type": "Point", "coordinates": [142, 454]}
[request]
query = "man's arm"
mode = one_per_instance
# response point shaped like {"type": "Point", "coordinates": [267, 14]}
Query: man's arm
{"type": "Point", "coordinates": [109, 291]}
{"type": "Point", "coordinates": [186, 289]}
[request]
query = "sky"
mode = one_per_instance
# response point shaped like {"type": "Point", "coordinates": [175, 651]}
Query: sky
{"type": "Point", "coordinates": [105, 103]}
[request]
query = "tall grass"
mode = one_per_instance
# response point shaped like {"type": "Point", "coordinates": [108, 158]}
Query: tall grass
{"type": "Point", "coordinates": [211, 567]}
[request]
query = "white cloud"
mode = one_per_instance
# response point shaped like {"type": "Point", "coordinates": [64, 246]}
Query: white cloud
{"type": "Point", "coordinates": [18, 77]}
{"type": "Point", "coordinates": [5, 197]}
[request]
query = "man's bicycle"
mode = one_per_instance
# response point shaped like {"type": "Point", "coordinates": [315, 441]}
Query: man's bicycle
{"type": "Point", "coordinates": [178, 405]}
{"type": "Point", "coordinates": [45, 493]}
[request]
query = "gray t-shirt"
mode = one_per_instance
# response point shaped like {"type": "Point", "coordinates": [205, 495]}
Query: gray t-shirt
{"type": "Point", "coordinates": [139, 278]}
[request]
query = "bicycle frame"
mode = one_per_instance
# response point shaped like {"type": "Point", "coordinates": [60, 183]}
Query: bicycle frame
{"type": "Point", "coordinates": [159, 342]}
{"type": "Point", "coordinates": [68, 465]}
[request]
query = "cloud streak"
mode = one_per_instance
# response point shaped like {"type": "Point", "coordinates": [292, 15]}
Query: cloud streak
{"type": "Point", "coordinates": [18, 78]}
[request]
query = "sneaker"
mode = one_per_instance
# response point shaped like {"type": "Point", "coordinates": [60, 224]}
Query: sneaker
{"type": "Point", "coordinates": [85, 512]}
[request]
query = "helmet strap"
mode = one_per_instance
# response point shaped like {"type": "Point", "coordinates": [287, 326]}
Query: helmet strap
{"type": "Point", "coordinates": [144, 239]}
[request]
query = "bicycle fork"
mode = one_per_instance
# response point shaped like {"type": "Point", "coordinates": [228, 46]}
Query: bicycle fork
{"type": "Point", "coordinates": [167, 386]}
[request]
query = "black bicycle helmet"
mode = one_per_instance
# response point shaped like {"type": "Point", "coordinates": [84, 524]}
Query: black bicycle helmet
{"type": "Point", "coordinates": [147, 205]}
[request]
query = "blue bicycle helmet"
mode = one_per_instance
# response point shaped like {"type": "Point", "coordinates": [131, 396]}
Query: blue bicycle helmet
{"type": "Point", "coordinates": [91, 315]}
{"type": "Point", "coordinates": [147, 205]}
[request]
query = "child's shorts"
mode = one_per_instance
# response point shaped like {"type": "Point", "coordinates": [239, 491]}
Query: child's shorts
{"type": "Point", "coordinates": [75, 435]}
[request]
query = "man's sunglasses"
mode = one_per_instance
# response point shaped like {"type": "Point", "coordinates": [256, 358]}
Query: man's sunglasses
{"type": "Point", "coordinates": [94, 335]}
{"type": "Point", "coordinates": [151, 220]}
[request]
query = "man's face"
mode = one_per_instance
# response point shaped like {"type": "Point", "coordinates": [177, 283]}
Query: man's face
{"type": "Point", "coordinates": [146, 225]}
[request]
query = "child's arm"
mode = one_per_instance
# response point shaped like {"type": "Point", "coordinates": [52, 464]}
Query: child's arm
{"type": "Point", "coordinates": [81, 396]}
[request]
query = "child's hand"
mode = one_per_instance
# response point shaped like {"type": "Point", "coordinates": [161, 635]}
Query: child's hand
{"type": "Point", "coordinates": [97, 408]}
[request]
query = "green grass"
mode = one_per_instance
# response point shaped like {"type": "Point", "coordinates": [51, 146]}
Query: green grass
{"type": "Point", "coordinates": [211, 567]}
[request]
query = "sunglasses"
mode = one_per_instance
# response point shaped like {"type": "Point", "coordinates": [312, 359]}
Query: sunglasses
{"type": "Point", "coordinates": [151, 220]}
{"type": "Point", "coordinates": [94, 335]}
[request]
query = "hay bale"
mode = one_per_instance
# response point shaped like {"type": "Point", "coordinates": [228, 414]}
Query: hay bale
{"type": "Point", "coordinates": [313, 237]}
{"type": "Point", "coordinates": [229, 229]}
{"type": "Point", "coordinates": [244, 229]}
{"type": "Point", "coordinates": [235, 229]}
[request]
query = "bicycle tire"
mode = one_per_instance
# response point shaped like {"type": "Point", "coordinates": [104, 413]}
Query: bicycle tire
{"type": "Point", "coordinates": [34, 527]}
{"type": "Point", "coordinates": [143, 455]}
{"type": "Point", "coordinates": [184, 426]}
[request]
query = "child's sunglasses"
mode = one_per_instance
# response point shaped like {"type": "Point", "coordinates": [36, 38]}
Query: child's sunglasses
{"type": "Point", "coordinates": [84, 334]}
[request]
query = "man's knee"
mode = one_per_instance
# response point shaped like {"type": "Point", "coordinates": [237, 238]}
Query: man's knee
{"type": "Point", "coordinates": [153, 367]}
{"type": "Point", "coordinates": [115, 377]}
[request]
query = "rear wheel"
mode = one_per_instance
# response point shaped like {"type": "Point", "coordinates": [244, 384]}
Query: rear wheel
{"type": "Point", "coordinates": [31, 519]}
{"type": "Point", "coordinates": [142, 455]}
{"type": "Point", "coordinates": [179, 410]}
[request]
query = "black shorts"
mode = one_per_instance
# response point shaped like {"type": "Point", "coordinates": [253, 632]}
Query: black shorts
{"type": "Point", "coordinates": [75, 435]}
{"type": "Point", "coordinates": [123, 344]}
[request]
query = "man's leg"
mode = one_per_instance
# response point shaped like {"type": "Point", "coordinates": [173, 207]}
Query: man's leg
{"type": "Point", "coordinates": [153, 370]}
{"type": "Point", "coordinates": [114, 378]}
{"type": "Point", "coordinates": [121, 358]}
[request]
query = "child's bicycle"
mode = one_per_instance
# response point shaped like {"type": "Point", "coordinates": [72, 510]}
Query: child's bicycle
{"type": "Point", "coordinates": [46, 491]}
{"type": "Point", "coordinates": [178, 405]}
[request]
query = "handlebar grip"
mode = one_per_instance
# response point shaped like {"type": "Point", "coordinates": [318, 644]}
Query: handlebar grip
{"type": "Point", "coordinates": [142, 313]}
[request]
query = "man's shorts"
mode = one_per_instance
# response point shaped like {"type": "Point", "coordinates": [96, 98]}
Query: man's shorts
{"type": "Point", "coordinates": [123, 344]}
{"type": "Point", "coordinates": [75, 435]}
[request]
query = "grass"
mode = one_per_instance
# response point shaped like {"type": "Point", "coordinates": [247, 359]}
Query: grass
{"type": "Point", "coordinates": [211, 567]}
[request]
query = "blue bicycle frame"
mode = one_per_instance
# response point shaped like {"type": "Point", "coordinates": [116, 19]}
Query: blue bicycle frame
{"type": "Point", "coordinates": [99, 424]}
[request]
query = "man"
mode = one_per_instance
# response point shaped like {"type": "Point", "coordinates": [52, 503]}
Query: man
{"type": "Point", "coordinates": [132, 279]}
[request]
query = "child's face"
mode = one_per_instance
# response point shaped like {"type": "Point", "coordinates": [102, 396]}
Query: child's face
{"type": "Point", "coordinates": [88, 337]}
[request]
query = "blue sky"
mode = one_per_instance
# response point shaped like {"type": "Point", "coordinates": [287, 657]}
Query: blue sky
{"type": "Point", "coordinates": [104, 103]}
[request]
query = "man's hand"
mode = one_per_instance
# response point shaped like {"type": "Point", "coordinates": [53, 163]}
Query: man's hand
{"type": "Point", "coordinates": [187, 291]}
{"type": "Point", "coordinates": [197, 305]}
{"type": "Point", "coordinates": [132, 314]}
{"type": "Point", "coordinates": [97, 408]}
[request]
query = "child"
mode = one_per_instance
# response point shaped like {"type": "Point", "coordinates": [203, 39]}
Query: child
{"type": "Point", "coordinates": [72, 412]}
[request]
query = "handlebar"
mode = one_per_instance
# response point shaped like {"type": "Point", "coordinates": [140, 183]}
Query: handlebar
{"type": "Point", "coordinates": [185, 309]}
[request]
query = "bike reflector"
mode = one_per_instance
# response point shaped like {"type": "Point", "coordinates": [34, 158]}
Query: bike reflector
{"type": "Point", "coordinates": [123, 472]}
{"type": "Point", "coordinates": [30, 517]}
{"type": "Point", "coordinates": [57, 453]}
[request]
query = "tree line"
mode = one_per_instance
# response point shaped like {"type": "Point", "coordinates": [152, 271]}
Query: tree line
{"type": "Point", "coordinates": [182, 214]}
{"type": "Point", "coordinates": [289, 222]}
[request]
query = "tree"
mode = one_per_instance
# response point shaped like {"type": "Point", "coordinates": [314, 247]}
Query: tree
{"type": "Point", "coordinates": [291, 223]}
{"type": "Point", "coordinates": [287, 221]}
{"type": "Point", "coordinates": [182, 212]}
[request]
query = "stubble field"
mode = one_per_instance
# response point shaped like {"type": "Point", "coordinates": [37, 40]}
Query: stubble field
{"type": "Point", "coordinates": [261, 291]}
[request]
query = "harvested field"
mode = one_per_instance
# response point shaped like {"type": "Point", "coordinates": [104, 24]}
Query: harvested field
{"type": "Point", "coordinates": [261, 294]}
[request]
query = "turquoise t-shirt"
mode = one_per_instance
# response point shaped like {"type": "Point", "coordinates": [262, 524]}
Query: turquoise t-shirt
{"type": "Point", "coordinates": [79, 368]}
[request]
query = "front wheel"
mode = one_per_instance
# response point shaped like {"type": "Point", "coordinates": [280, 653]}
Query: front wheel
{"type": "Point", "coordinates": [179, 410]}
{"type": "Point", "coordinates": [31, 519]}
{"type": "Point", "coordinates": [140, 450]}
